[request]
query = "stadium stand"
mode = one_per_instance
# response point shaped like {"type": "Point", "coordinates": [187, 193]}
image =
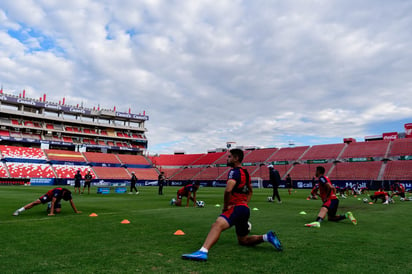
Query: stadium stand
{"type": "Point", "coordinates": [356, 171]}
{"type": "Point", "coordinates": [307, 171]}
{"type": "Point", "coordinates": [68, 171]}
{"type": "Point", "coordinates": [97, 157]}
{"type": "Point", "coordinates": [3, 170]}
{"type": "Point", "coordinates": [330, 151]}
{"type": "Point", "coordinates": [259, 155]}
{"type": "Point", "coordinates": [186, 173]}
{"type": "Point", "coordinates": [64, 155]}
{"type": "Point", "coordinates": [208, 159]}
{"type": "Point", "coordinates": [263, 171]}
{"type": "Point", "coordinates": [145, 173]}
{"type": "Point", "coordinates": [366, 149]}
{"type": "Point", "coordinates": [401, 147]}
{"type": "Point", "coordinates": [22, 152]}
{"type": "Point", "coordinates": [288, 154]}
{"type": "Point", "coordinates": [175, 160]}
{"type": "Point", "coordinates": [398, 170]}
{"type": "Point", "coordinates": [211, 173]}
{"type": "Point", "coordinates": [169, 172]}
{"type": "Point", "coordinates": [111, 173]}
{"type": "Point", "coordinates": [132, 159]}
{"type": "Point", "coordinates": [24, 170]}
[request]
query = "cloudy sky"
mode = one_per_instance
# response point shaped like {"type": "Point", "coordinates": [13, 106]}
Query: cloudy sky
{"type": "Point", "coordinates": [260, 73]}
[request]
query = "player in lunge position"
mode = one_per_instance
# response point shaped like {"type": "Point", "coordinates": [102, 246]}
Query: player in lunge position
{"type": "Point", "coordinates": [330, 205]}
{"type": "Point", "coordinates": [237, 195]}
{"type": "Point", "coordinates": [54, 196]}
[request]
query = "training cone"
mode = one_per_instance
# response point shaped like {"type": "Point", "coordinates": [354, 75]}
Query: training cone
{"type": "Point", "coordinates": [217, 205]}
{"type": "Point", "coordinates": [370, 203]}
{"type": "Point", "coordinates": [125, 221]}
{"type": "Point", "coordinates": [255, 208]}
{"type": "Point", "coordinates": [302, 213]}
{"type": "Point", "coordinates": [179, 233]}
{"type": "Point", "coordinates": [308, 198]}
{"type": "Point", "coordinates": [93, 215]}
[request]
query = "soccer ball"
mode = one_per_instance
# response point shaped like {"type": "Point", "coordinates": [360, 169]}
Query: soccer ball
{"type": "Point", "coordinates": [249, 226]}
{"type": "Point", "coordinates": [270, 199]}
{"type": "Point", "coordinates": [402, 199]}
{"type": "Point", "coordinates": [173, 201]}
{"type": "Point", "coordinates": [365, 200]}
{"type": "Point", "coordinates": [200, 203]}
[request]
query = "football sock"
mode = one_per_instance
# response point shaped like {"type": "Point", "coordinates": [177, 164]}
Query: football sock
{"type": "Point", "coordinates": [265, 237]}
{"type": "Point", "coordinates": [204, 250]}
{"type": "Point", "coordinates": [319, 219]}
{"type": "Point", "coordinates": [21, 209]}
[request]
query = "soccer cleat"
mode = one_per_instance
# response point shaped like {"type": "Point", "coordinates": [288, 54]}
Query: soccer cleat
{"type": "Point", "coordinates": [386, 203]}
{"type": "Point", "coordinates": [313, 224]}
{"type": "Point", "coordinates": [137, 193]}
{"type": "Point", "coordinates": [16, 213]}
{"type": "Point", "coordinates": [195, 256]}
{"type": "Point", "coordinates": [351, 217]}
{"type": "Point", "coordinates": [274, 240]}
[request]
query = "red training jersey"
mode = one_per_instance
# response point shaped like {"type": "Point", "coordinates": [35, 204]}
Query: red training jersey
{"type": "Point", "coordinates": [241, 190]}
{"type": "Point", "coordinates": [323, 181]}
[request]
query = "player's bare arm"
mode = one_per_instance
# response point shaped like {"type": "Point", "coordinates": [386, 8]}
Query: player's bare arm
{"type": "Point", "coordinates": [228, 193]}
{"type": "Point", "coordinates": [53, 201]}
{"type": "Point", "coordinates": [74, 207]}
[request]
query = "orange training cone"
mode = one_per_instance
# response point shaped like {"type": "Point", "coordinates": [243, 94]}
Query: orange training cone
{"type": "Point", "coordinates": [179, 232]}
{"type": "Point", "coordinates": [93, 215]}
{"type": "Point", "coordinates": [125, 221]}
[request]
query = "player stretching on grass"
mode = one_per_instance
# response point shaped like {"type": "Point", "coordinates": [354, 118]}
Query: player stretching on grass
{"type": "Point", "coordinates": [327, 193]}
{"type": "Point", "coordinates": [238, 193]}
{"type": "Point", "coordinates": [54, 196]}
{"type": "Point", "coordinates": [188, 191]}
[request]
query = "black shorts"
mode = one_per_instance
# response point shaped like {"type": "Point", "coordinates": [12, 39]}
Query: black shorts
{"type": "Point", "coordinates": [238, 216]}
{"type": "Point", "coordinates": [76, 184]}
{"type": "Point", "coordinates": [332, 206]}
{"type": "Point", "coordinates": [45, 199]}
{"type": "Point", "coordinates": [87, 184]}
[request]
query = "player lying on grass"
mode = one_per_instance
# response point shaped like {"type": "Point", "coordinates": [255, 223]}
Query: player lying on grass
{"type": "Point", "coordinates": [330, 202]}
{"type": "Point", "coordinates": [237, 195]}
{"type": "Point", "coordinates": [188, 191]}
{"type": "Point", "coordinates": [54, 196]}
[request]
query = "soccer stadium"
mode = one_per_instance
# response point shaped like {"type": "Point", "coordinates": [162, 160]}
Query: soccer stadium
{"type": "Point", "coordinates": [205, 136]}
{"type": "Point", "coordinates": [44, 144]}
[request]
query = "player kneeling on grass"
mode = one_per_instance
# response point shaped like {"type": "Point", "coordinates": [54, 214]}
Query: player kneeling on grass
{"type": "Point", "coordinates": [188, 191]}
{"type": "Point", "coordinates": [54, 196]}
{"type": "Point", "coordinates": [381, 194]}
{"type": "Point", "coordinates": [237, 195]}
{"type": "Point", "coordinates": [327, 193]}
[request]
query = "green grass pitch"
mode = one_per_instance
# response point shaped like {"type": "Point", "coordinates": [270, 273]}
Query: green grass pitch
{"type": "Point", "coordinates": [77, 243]}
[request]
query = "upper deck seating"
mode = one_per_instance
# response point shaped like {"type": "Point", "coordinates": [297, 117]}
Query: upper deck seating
{"type": "Point", "coordinates": [133, 159]}
{"type": "Point", "coordinates": [22, 152]}
{"type": "Point", "coordinates": [401, 147]}
{"type": "Point", "coordinates": [98, 157]}
{"type": "Point", "coordinates": [64, 155]}
{"type": "Point", "coordinates": [259, 155]}
{"type": "Point", "coordinates": [330, 151]}
{"type": "Point", "coordinates": [288, 154]}
{"type": "Point", "coordinates": [365, 149]}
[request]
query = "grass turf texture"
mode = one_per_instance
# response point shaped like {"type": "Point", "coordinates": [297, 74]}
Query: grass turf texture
{"type": "Point", "coordinates": [77, 243]}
